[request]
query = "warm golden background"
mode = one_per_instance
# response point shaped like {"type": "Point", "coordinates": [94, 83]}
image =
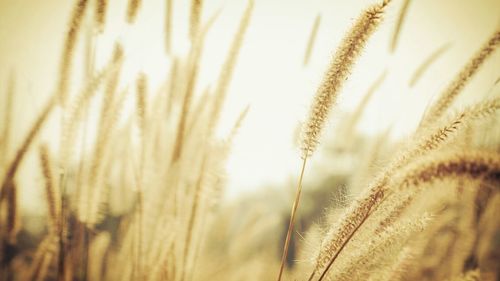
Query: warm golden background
{"type": "Point", "coordinates": [269, 74]}
{"type": "Point", "coordinates": [270, 78]}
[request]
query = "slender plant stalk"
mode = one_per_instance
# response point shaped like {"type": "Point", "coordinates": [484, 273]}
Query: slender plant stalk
{"type": "Point", "coordinates": [358, 112]}
{"type": "Point", "coordinates": [132, 10]}
{"type": "Point", "coordinates": [292, 219]}
{"type": "Point", "coordinates": [397, 29]}
{"type": "Point", "coordinates": [195, 18]}
{"type": "Point", "coordinates": [25, 145]}
{"type": "Point", "coordinates": [7, 121]}
{"type": "Point", "coordinates": [141, 116]}
{"type": "Point", "coordinates": [168, 26]}
{"type": "Point", "coordinates": [343, 61]}
{"type": "Point", "coordinates": [12, 214]}
{"type": "Point", "coordinates": [69, 49]}
{"type": "Point", "coordinates": [100, 13]}
{"type": "Point", "coordinates": [193, 68]}
{"type": "Point", "coordinates": [237, 125]}
{"type": "Point", "coordinates": [312, 39]}
{"type": "Point", "coordinates": [193, 215]}
{"type": "Point", "coordinates": [448, 96]}
{"type": "Point", "coordinates": [228, 67]}
{"type": "Point", "coordinates": [52, 193]}
{"type": "Point", "coordinates": [427, 63]}
{"type": "Point", "coordinates": [192, 71]}
{"type": "Point", "coordinates": [360, 213]}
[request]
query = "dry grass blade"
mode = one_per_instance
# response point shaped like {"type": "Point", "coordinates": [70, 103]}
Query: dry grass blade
{"type": "Point", "coordinates": [312, 39]}
{"type": "Point", "coordinates": [417, 75]}
{"type": "Point", "coordinates": [7, 120]}
{"type": "Point", "coordinates": [358, 112]}
{"type": "Point", "coordinates": [237, 125]}
{"type": "Point", "coordinates": [25, 145]}
{"type": "Point", "coordinates": [141, 102]}
{"type": "Point", "coordinates": [52, 192]}
{"type": "Point", "coordinates": [69, 49]}
{"type": "Point", "coordinates": [292, 219]}
{"type": "Point", "coordinates": [172, 85]}
{"type": "Point", "coordinates": [74, 116]}
{"type": "Point", "coordinates": [168, 25]}
{"type": "Point", "coordinates": [195, 18]}
{"type": "Point", "coordinates": [133, 9]}
{"type": "Point", "coordinates": [397, 29]}
{"type": "Point", "coordinates": [193, 68]}
{"type": "Point", "coordinates": [100, 13]}
{"type": "Point", "coordinates": [464, 76]}
{"type": "Point", "coordinates": [193, 214]}
{"type": "Point", "coordinates": [228, 67]}
{"type": "Point", "coordinates": [141, 116]}
{"type": "Point", "coordinates": [13, 216]}
{"type": "Point", "coordinates": [89, 212]}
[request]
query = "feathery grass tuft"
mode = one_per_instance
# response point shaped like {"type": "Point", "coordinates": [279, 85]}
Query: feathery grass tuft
{"type": "Point", "coordinates": [340, 67]}
{"type": "Point", "coordinates": [449, 95]}
{"type": "Point", "coordinates": [52, 191]}
{"type": "Point", "coordinates": [69, 50]}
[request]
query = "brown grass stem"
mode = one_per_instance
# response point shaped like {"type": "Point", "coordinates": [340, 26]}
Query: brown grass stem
{"type": "Point", "coordinates": [7, 121]}
{"type": "Point", "coordinates": [292, 219]}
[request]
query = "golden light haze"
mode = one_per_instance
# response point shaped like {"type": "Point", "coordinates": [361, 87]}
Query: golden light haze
{"type": "Point", "coordinates": [269, 76]}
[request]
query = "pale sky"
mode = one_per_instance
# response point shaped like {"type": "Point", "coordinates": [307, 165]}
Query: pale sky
{"type": "Point", "coordinates": [269, 75]}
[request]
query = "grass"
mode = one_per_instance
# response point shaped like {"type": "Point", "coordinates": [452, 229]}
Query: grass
{"type": "Point", "coordinates": [137, 194]}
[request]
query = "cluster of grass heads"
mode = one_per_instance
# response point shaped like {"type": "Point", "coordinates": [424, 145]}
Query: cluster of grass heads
{"type": "Point", "coordinates": [122, 207]}
{"type": "Point", "coordinates": [382, 235]}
